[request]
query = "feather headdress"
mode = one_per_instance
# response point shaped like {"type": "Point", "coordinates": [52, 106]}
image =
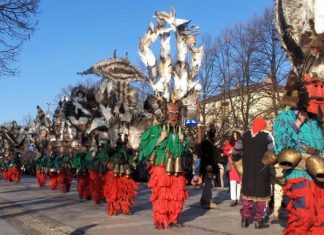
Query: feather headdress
{"type": "Point", "coordinates": [115, 98]}
{"type": "Point", "coordinates": [301, 27]}
{"type": "Point", "coordinates": [171, 81]}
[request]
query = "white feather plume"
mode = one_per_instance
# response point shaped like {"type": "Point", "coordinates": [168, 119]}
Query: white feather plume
{"type": "Point", "coordinates": [96, 123]}
{"type": "Point", "coordinates": [79, 106]}
{"type": "Point", "coordinates": [106, 112]}
{"type": "Point", "coordinates": [196, 59]}
{"type": "Point", "coordinates": [182, 49]}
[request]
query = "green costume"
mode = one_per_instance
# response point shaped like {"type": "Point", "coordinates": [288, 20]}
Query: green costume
{"type": "Point", "coordinates": [171, 144]}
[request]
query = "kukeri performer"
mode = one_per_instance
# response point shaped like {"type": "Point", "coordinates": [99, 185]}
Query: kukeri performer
{"type": "Point", "coordinates": [53, 150]}
{"type": "Point", "coordinates": [14, 171]}
{"type": "Point", "coordinates": [4, 162]}
{"type": "Point", "coordinates": [120, 109]}
{"type": "Point", "coordinates": [98, 152]}
{"type": "Point", "coordinates": [164, 143]}
{"type": "Point", "coordinates": [12, 141]}
{"type": "Point", "coordinates": [79, 165]}
{"type": "Point", "coordinates": [40, 164]}
{"type": "Point", "coordinates": [4, 167]}
{"type": "Point", "coordinates": [65, 174]}
{"type": "Point", "coordinates": [119, 189]}
{"type": "Point", "coordinates": [163, 146]}
{"type": "Point", "coordinates": [298, 131]}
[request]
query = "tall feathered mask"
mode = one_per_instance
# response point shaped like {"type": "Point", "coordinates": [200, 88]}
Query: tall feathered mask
{"type": "Point", "coordinates": [171, 81]}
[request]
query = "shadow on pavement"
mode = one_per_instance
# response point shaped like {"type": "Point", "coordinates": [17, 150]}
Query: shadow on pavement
{"type": "Point", "coordinates": [83, 230]}
{"type": "Point", "coordinates": [222, 196]}
{"type": "Point", "coordinates": [194, 211]}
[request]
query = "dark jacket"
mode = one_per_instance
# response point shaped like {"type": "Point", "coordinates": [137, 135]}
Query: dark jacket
{"type": "Point", "coordinates": [256, 178]}
{"type": "Point", "coordinates": [209, 155]}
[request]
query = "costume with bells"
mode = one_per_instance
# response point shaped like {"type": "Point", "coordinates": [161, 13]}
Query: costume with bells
{"type": "Point", "coordinates": [97, 170]}
{"type": "Point", "coordinates": [164, 143]}
{"type": "Point", "coordinates": [78, 162]}
{"type": "Point", "coordinates": [40, 164]}
{"type": "Point", "coordinates": [120, 188]}
{"type": "Point", "coordinates": [13, 140]}
{"type": "Point", "coordinates": [5, 153]}
{"type": "Point", "coordinates": [119, 108]}
{"type": "Point", "coordinates": [298, 131]}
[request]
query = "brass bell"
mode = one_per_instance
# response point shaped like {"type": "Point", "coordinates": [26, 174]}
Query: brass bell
{"type": "Point", "coordinates": [121, 170]}
{"type": "Point", "coordinates": [170, 165]}
{"type": "Point", "coordinates": [116, 169]}
{"type": "Point", "coordinates": [315, 166]}
{"type": "Point", "coordinates": [128, 171]}
{"type": "Point", "coordinates": [269, 158]}
{"type": "Point", "coordinates": [289, 158]}
{"type": "Point", "coordinates": [153, 158]}
{"type": "Point", "coordinates": [178, 166]}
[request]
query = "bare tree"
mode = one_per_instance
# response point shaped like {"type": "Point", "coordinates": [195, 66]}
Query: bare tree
{"type": "Point", "coordinates": [274, 64]}
{"type": "Point", "coordinates": [17, 23]}
{"type": "Point", "coordinates": [207, 77]}
{"type": "Point", "coordinates": [27, 120]}
{"type": "Point", "coordinates": [247, 67]}
{"type": "Point", "coordinates": [143, 88]}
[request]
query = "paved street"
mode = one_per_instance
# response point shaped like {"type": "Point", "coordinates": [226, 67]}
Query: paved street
{"type": "Point", "coordinates": [27, 209]}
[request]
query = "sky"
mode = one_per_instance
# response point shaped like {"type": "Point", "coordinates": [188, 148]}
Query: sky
{"type": "Point", "coordinates": [73, 35]}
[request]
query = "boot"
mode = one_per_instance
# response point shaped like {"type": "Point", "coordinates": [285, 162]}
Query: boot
{"type": "Point", "coordinates": [213, 205]}
{"type": "Point", "coordinates": [208, 205]}
{"type": "Point", "coordinates": [233, 203]}
{"type": "Point", "coordinates": [261, 224]}
{"type": "Point", "coordinates": [244, 223]}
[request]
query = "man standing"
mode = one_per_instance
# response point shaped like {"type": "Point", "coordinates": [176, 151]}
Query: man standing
{"type": "Point", "coordinates": [208, 168]}
{"type": "Point", "coordinates": [256, 189]}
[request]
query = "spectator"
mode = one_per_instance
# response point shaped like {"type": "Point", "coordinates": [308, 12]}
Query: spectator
{"type": "Point", "coordinates": [256, 189]}
{"type": "Point", "coordinates": [197, 180]}
{"type": "Point", "coordinates": [234, 176]}
{"type": "Point", "coordinates": [187, 164]}
{"type": "Point", "coordinates": [208, 168]}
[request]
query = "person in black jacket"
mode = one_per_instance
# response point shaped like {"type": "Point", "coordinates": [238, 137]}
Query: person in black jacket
{"type": "Point", "coordinates": [208, 168]}
{"type": "Point", "coordinates": [256, 189]}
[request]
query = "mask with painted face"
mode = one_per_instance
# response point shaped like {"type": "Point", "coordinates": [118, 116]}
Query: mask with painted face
{"type": "Point", "coordinates": [315, 89]}
{"type": "Point", "coordinates": [173, 110]}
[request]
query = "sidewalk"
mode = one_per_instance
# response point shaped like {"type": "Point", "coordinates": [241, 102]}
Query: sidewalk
{"type": "Point", "coordinates": [27, 209]}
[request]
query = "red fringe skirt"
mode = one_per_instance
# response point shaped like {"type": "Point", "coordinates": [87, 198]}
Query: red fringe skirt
{"type": "Point", "coordinates": [168, 196]}
{"type": "Point", "coordinates": [119, 192]}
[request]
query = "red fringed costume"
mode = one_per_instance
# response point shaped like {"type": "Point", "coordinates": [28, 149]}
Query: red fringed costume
{"type": "Point", "coordinates": [305, 202]}
{"type": "Point", "coordinates": [96, 186]}
{"type": "Point", "coordinates": [83, 186]}
{"type": "Point", "coordinates": [14, 174]}
{"type": "Point", "coordinates": [168, 196]}
{"type": "Point", "coordinates": [64, 179]}
{"type": "Point", "coordinates": [53, 176]}
{"type": "Point", "coordinates": [5, 175]}
{"type": "Point", "coordinates": [41, 178]}
{"type": "Point", "coordinates": [119, 192]}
